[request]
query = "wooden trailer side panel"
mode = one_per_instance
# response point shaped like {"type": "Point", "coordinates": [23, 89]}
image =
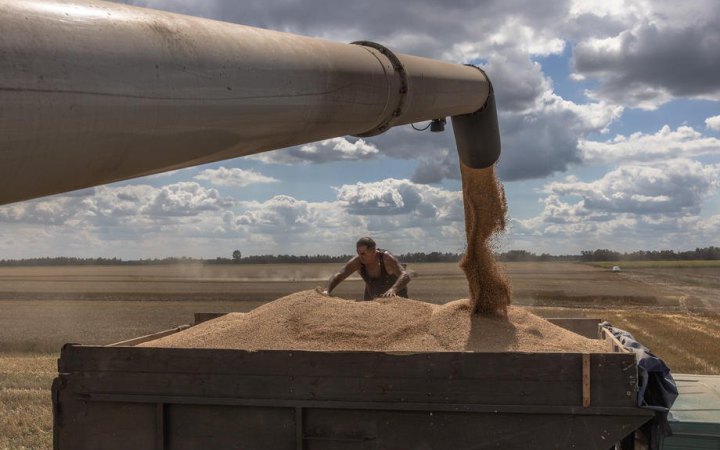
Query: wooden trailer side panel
{"type": "Point", "coordinates": [194, 427]}
{"type": "Point", "coordinates": [81, 424]}
{"type": "Point", "coordinates": [178, 399]}
{"type": "Point", "coordinates": [121, 425]}
{"type": "Point", "coordinates": [467, 378]}
{"type": "Point", "coordinates": [391, 430]}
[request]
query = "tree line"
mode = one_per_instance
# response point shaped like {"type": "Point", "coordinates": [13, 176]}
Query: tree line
{"type": "Point", "coordinates": [706, 253]}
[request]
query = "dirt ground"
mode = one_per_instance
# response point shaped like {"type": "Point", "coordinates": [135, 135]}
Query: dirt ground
{"type": "Point", "coordinates": [675, 311]}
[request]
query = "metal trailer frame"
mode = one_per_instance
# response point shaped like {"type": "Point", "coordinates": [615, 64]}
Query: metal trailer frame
{"type": "Point", "coordinates": [121, 396]}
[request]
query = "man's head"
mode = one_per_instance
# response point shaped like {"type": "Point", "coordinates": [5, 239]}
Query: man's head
{"type": "Point", "coordinates": [366, 249]}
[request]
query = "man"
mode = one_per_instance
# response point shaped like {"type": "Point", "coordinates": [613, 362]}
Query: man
{"type": "Point", "coordinates": [381, 271]}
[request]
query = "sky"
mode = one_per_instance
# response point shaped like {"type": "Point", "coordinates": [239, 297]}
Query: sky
{"type": "Point", "coordinates": [609, 115]}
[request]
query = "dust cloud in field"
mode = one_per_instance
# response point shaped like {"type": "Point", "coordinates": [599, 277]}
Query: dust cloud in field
{"type": "Point", "coordinates": [485, 211]}
{"type": "Point", "coordinates": [308, 320]}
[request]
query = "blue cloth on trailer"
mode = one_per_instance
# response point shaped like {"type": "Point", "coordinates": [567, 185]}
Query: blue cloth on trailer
{"type": "Point", "coordinates": [656, 387]}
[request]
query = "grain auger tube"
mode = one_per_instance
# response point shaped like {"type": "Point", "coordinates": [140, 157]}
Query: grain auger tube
{"type": "Point", "coordinates": [94, 92]}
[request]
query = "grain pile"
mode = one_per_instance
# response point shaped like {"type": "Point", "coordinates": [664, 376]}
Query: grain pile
{"type": "Point", "coordinates": [310, 321]}
{"type": "Point", "coordinates": [485, 211]}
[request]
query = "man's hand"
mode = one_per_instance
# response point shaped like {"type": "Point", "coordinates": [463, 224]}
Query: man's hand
{"type": "Point", "coordinates": [389, 293]}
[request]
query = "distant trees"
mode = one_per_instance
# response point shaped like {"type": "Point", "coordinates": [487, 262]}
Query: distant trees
{"type": "Point", "coordinates": [706, 253]}
{"type": "Point", "coordinates": [429, 257]}
{"type": "Point", "coordinates": [283, 259]}
{"type": "Point", "coordinates": [599, 255]}
{"type": "Point", "coordinates": [63, 261]}
{"type": "Point", "coordinates": [703, 253]}
{"type": "Point", "coordinates": [524, 255]}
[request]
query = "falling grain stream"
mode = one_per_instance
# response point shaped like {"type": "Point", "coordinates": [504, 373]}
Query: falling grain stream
{"type": "Point", "coordinates": [485, 211]}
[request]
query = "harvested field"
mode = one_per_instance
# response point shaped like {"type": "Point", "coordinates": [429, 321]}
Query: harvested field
{"type": "Point", "coordinates": [688, 342]}
{"type": "Point", "coordinates": [178, 282]}
{"type": "Point", "coordinates": [44, 308]}
{"type": "Point", "coordinates": [25, 409]}
{"type": "Point", "coordinates": [679, 264]}
{"type": "Point", "coordinates": [28, 326]}
{"type": "Point", "coordinates": [433, 282]}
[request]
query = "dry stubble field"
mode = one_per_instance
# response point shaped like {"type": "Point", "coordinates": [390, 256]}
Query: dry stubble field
{"type": "Point", "coordinates": [672, 308]}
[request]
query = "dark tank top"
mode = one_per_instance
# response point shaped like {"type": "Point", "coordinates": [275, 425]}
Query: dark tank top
{"type": "Point", "coordinates": [375, 287]}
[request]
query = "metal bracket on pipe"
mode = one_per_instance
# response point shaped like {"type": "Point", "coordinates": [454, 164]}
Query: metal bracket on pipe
{"type": "Point", "coordinates": [387, 122]}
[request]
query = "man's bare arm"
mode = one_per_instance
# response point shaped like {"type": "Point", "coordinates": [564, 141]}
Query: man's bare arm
{"type": "Point", "coordinates": [393, 266]}
{"type": "Point", "coordinates": [351, 267]}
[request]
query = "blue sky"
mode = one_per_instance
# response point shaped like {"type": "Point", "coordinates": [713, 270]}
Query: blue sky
{"type": "Point", "coordinates": [610, 123]}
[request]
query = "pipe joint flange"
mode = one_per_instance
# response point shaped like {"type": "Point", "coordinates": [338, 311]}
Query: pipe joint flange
{"type": "Point", "coordinates": [491, 91]}
{"type": "Point", "coordinates": [387, 122]}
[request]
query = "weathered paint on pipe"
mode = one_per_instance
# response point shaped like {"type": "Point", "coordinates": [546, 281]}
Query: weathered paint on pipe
{"type": "Point", "coordinates": [94, 92]}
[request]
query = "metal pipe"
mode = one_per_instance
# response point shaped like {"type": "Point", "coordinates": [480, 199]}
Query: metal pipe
{"type": "Point", "coordinates": [94, 92]}
{"type": "Point", "coordinates": [477, 135]}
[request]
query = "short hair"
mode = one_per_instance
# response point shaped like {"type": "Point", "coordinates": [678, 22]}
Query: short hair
{"type": "Point", "coordinates": [367, 242]}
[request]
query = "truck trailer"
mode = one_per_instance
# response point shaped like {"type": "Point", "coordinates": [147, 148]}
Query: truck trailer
{"type": "Point", "coordinates": [123, 396]}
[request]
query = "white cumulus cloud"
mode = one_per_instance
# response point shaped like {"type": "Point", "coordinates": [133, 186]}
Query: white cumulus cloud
{"type": "Point", "coordinates": [234, 177]}
{"type": "Point", "coordinates": [400, 197]}
{"type": "Point", "coordinates": [673, 187]}
{"type": "Point", "coordinates": [412, 217]}
{"type": "Point", "coordinates": [683, 142]}
{"type": "Point", "coordinates": [713, 122]}
{"type": "Point", "coordinates": [329, 150]}
{"type": "Point", "coordinates": [116, 205]}
{"type": "Point", "coordinates": [184, 199]}
{"type": "Point", "coordinates": [632, 207]}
